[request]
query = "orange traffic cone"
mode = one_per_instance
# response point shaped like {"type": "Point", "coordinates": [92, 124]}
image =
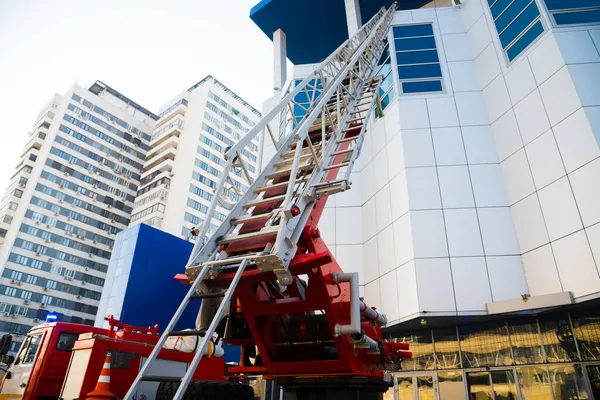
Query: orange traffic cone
{"type": "Point", "coordinates": [102, 390]}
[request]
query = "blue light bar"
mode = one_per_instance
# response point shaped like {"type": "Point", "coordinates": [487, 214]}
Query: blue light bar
{"type": "Point", "coordinates": [51, 317]}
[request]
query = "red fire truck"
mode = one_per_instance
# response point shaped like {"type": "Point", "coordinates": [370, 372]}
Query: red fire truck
{"type": "Point", "coordinates": [63, 360]}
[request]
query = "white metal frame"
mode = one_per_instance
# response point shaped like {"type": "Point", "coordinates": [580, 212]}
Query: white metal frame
{"type": "Point", "coordinates": [356, 58]}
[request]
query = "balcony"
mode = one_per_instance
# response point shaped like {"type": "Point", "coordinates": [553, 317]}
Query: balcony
{"type": "Point", "coordinates": [35, 142]}
{"type": "Point", "coordinates": [153, 173]}
{"type": "Point", "coordinates": [171, 142]}
{"type": "Point", "coordinates": [173, 128]}
{"type": "Point", "coordinates": [176, 113]}
{"type": "Point", "coordinates": [158, 157]}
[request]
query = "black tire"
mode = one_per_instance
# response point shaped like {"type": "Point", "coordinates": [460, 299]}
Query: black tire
{"type": "Point", "coordinates": [166, 390]}
{"type": "Point", "coordinates": [205, 390]}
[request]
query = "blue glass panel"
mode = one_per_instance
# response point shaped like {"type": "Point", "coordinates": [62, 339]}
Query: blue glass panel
{"type": "Point", "coordinates": [533, 33]}
{"type": "Point", "coordinates": [511, 13]}
{"type": "Point", "coordinates": [385, 69]}
{"type": "Point", "coordinates": [387, 82]}
{"type": "Point", "coordinates": [302, 97]}
{"type": "Point", "coordinates": [415, 44]}
{"type": "Point", "coordinates": [420, 71]}
{"type": "Point", "coordinates": [386, 100]}
{"type": "Point", "coordinates": [424, 86]}
{"type": "Point", "coordinates": [582, 17]}
{"type": "Point", "coordinates": [299, 113]}
{"type": "Point", "coordinates": [519, 25]}
{"type": "Point", "coordinates": [417, 57]}
{"type": "Point", "coordinates": [499, 6]}
{"type": "Point", "coordinates": [570, 4]}
{"type": "Point", "coordinates": [412, 31]}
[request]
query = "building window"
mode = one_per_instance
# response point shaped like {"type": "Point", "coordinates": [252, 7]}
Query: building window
{"type": "Point", "coordinates": [305, 98]}
{"type": "Point", "coordinates": [518, 23]}
{"type": "Point", "coordinates": [568, 12]}
{"type": "Point", "coordinates": [192, 218]}
{"type": "Point", "coordinates": [419, 69]}
{"type": "Point", "coordinates": [386, 88]}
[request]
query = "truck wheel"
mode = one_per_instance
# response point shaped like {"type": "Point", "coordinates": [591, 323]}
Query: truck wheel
{"type": "Point", "coordinates": [166, 390]}
{"type": "Point", "coordinates": [205, 390]}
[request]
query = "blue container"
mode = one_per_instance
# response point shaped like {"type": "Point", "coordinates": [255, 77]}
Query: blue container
{"type": "Point", "coordinates": [140, 289]}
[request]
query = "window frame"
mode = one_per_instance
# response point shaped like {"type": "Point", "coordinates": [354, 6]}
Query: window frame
{"type": "Point", "coordinates": [554, 24]}
{"type": "Point", "coordinates": [543, 19]}
{"type": "Point", "coordinates": [24, 350]}
{"type": "Point", "coordinates": [67, 334]}
{"type": "Point", "coordinates": [441, 60]}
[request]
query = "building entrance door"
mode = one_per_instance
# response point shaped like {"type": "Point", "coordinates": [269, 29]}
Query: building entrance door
{"type": "Point", "coordinates": [417, 386]}
{"type": "Point", "coordinates": [492, 385]}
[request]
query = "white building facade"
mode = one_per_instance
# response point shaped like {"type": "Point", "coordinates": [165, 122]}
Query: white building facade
{"type": "Point", "coordinates": [474, 213]}
{"type": "Point", "coordinates": [72, 192]}
{"type": "Point", "coordinates": [186, 157]}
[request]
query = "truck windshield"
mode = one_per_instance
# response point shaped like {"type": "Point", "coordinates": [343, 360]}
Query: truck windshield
{"type": "Point", "coordinates": [29, 349]}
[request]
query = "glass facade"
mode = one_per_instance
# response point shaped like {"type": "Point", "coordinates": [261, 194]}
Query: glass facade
{"type": "Point", "coordinates": [417, 59]}
{"type": "Point", "coordinates": [518, 24]}
{"type": "Point", "coordinates": [554, 356]}
{"type": "Point", "coordinates": [568, 12]}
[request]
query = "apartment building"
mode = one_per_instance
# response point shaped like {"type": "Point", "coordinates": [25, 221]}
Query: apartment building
{"type": "Point", "coordinates": [73, 190]}
{"type": "Point", "coordinates": [186, 156]}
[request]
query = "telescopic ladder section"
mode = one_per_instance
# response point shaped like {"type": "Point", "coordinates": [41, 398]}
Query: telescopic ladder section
{"type": "Point", "coordinates": [311, 150]}
{"type": "Point", "coordinates": [263, 227]}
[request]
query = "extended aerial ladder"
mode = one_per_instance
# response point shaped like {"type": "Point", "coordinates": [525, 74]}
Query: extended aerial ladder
{"type": "Point", "coordinates": [248, 269]}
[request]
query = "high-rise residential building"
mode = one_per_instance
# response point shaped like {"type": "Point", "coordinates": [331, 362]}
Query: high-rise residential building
{"type": "Point", "coordinates": [72, 192]}
{"type": "Point", "coordinates": [185, 158]}
{"type": "Point", "coordinates": [474, 214]}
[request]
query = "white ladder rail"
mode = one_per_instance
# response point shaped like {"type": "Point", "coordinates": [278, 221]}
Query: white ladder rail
{"type": "Point", "coordinates": [307, 199]}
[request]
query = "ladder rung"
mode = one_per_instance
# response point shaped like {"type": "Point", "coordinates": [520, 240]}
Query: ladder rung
{"type": "Point", "coordinates": [188, 333]}
{"type": "Point", "coordinates": [348, 139]}
{"type": "Point", "coordinates": [356, 119]}
{"type": "Point", "coordinates": [348, 150]}
{"type": "Point", "coordinates": [234, 237]}
{"type": "Point", "coordinates": [287, 171]}
{"type": "Point", "coordinates": [251, 218]}
{"type": "Point", "coordinates": [277, 185]}
{"type": "Point", "coordinates": [305, 150]}
{"type": "Point", "coordinates": [303, 157]}
{"type": "Point", "coordinates": [206, 296]}
{"type": "Point", "coordinates": [151, 378]}
{"type": "Point", "coordinates": [262, 201]}
{"type": "Point", "coordinates": [336, 166]}
{"type": "Point", "coordinates": [353, 128]}
{"type": "Point", "coordinates": [360, 111]}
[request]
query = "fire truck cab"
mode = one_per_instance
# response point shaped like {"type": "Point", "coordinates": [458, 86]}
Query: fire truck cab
{"type": "Point", "coordinates": [40, 366]}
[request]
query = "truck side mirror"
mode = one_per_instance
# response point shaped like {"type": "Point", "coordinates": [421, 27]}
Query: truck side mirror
{"type": "Point", "coordinates": [5, 343]}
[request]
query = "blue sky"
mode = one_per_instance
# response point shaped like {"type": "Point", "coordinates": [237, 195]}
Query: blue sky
{"type": "Point", "coordinates": [148, 50]}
